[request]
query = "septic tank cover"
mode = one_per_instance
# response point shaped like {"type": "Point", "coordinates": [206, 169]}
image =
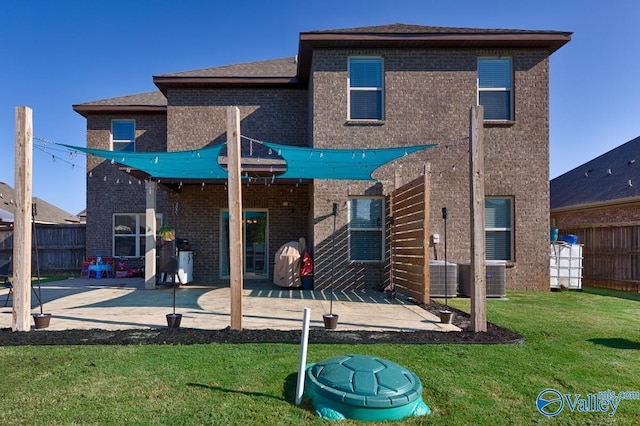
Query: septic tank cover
{"type": "Point", "coordinates": [362, 387]}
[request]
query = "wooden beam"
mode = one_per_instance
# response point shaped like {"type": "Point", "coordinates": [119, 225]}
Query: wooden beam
{"type": "Point", "coordinates": [235, 215]}
{"type": "Point", "coordinates": [426, 292]}
{"type": "Point", "coordinates": [151, 189]}
{"type": "Point", "coordinates": [478, 256]}
{"type": "Point", "coordinates": [22, 229]}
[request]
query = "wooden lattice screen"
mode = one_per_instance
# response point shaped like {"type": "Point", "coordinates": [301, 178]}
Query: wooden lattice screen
{"type": "Point", "coordinates": [410, 239]}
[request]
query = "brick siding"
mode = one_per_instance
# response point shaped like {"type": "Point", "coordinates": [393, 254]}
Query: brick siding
{"type": "Point", "coordinates": [428, 95]}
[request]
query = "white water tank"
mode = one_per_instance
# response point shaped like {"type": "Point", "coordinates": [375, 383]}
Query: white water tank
{"type": "Point", "coordinates": [565, 266]}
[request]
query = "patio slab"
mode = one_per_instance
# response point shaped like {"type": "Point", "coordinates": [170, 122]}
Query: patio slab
{"type": "Point", "coordinates": [124, 303]}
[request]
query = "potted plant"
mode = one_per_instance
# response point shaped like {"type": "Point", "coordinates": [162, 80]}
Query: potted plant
{"type": "Point", "coordinates": [331, 320]}
{"type": "Point", "coordinates": [167, 232]}
{"type": "Point", "coordinates": [41, 320]}
{"type": "Point", "coordinates": [446, 316]}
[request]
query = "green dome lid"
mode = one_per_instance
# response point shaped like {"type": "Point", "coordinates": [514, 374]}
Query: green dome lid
{"type": "Point", "coordinates": [364, 381]}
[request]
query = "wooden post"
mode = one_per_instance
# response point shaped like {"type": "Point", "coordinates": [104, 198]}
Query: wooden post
{"type": "Point", "coordinates": [426, 292]}
{"type": "Point", "coordinates": [151, 189]}
{"type": "Point", "coordinates": [478, 256]}
{"type": "Point", "coordinates": [22, 221]}
{"type": "Point", "coordinates": [235, 215]}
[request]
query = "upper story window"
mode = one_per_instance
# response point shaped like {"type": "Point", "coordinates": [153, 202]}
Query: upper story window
{"type": "Point", "coordinates": [495, 88]}
{"type": "Point", "coordinates": [123, 135]}
{"type": "Point", "coordinates": [366, 95]}
{"type": "Point", "coordinates": [498, 219]}
{"type": "Point", "coordinates": [366, 233]}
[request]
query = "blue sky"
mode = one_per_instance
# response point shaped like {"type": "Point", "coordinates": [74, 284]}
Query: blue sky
{"type": "Point", "coordinates": [54, 54]}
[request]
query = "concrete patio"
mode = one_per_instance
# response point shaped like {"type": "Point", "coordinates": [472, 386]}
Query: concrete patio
{"type": "Point", "coordinates": [124, 303]}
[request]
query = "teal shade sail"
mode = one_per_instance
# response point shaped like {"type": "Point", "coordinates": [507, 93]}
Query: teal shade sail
{"type": "Point", "coordinates": [344, 164]}
{"type": "Point", "coordinates": [301, 163]}
{"type": "Point", "coordinates": [201, 163]}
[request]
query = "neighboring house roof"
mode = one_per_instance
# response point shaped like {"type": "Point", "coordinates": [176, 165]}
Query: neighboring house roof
{"type": "Point", "coordinates": [293, 72]}
{"type": "Point", "coordinates": [46, 213]}
{"type": "Point", "coordinates": [5, 216]}
{"type": "Point", "coordinates": [611, 177]}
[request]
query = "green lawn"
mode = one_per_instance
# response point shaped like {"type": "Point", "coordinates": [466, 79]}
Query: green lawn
{"type": "Point", "coordinates": [576, 342]}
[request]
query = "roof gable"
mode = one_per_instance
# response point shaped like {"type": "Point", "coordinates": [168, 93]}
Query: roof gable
{"type": "Point", "coordinates": [612, 176]}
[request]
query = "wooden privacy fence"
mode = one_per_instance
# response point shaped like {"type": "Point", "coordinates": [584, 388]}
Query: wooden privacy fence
{"type": "Point", "coordinates": [410, 239]}
{"type": "Point", "coordinates": [611, 256]}
{"type": "Point", "coordinates": [61, 248]}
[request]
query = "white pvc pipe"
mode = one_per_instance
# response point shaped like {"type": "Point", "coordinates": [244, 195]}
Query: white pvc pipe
{"type": "Point", "coordinates": [303, 355]}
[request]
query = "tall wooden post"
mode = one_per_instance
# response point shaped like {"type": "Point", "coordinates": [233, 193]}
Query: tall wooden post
{"type": "Point", "coordinates": [151, 190]}
{"type": "Point", "coordinates": [478, 255]}
{"type": "Point", "coordinates": [235, 215]}
{"type": "Point", "coordinates": [22, 220]}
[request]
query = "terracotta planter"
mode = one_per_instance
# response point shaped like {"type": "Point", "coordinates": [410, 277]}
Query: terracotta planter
{"type": "Point", "coordinates": [173, 320]}
{"type": "Point", "coordinates": [446, 317]}
{"type": "Point", "coordinates": [41, 320]}
{"type": "Point", "coordinates": [330, 321]}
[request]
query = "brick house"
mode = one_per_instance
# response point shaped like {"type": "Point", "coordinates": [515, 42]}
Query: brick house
{"type": "Point", "coordinates": [370, 87]}
{"type": "Point", "coordinates": [599, 201]}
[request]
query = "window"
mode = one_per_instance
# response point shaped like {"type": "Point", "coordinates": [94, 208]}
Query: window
{"type": "Point", "coordinates": [123, 135]}
{"type": "Point", "coordinates": [494, 88]}
{"type": "Point", "coordinates": [366, 235]}
{"type": "Point", "coordinates": [129, 234]}
{"type": "Point", "coordinates": [365, 88]}
{"type": "Point", "coordinates": [498, 217]}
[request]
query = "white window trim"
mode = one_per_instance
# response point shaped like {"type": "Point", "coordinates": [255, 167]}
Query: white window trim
{"type": "Point", "coordinates": [365, 89]}
{"type": "Point", "coordinates": [124, 141]}
{"type": "Point", "coordinates": [509, 229]}
{"type": "Point", "coordinates": [497, 89]}
{"type": "Point", "coordinates": [381, 229]}
{"type": "Point", "coordinates": [137, 235]}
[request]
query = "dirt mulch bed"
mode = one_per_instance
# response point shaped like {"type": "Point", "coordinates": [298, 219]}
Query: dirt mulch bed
{"type": "Point", "coordinates": [189, 336]}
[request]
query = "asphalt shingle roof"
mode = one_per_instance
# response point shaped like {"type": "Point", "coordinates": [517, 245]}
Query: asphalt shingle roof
{"type": "Point", "coordinates": [614, 175]}
{"type": "Point", "coordinates": [295, 70]}
{"type": "Point", "coordinates": [46, 212]}
{"type": "Point", "coordinates": [149, 98]}
{"type": "Point", "coordinates": [399, 28]}
{"type": "Point", "coordinates": [283, 67]}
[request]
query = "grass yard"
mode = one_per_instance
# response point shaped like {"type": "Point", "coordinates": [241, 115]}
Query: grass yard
{"type": "Point", "coordinates": [576, 343]}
